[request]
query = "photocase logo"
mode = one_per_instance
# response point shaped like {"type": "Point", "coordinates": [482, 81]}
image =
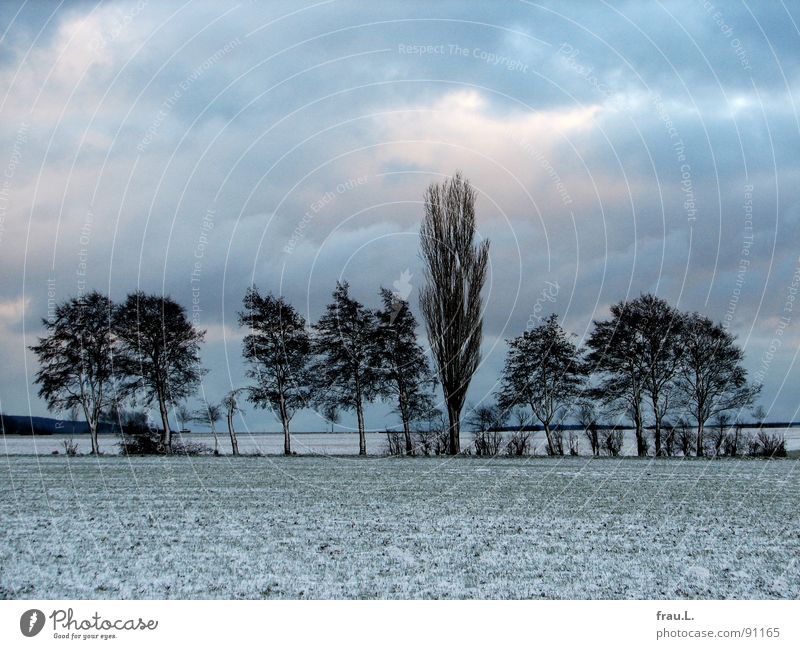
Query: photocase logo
{"type": "Point", "coordinates": [31, 622]}
{"type": "Point", "coordinates": [402, 289]}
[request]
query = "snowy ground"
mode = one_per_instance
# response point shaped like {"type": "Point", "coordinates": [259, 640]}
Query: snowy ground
{"type": "Point", "coordinates": [316, 527]}
{"type": "Point", "coordinates": [340, 443]}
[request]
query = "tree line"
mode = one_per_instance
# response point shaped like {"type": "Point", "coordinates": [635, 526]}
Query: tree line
{"type": "Point", "coordinates": [98, 355]}
{"type": "Point", "coordinates": [647, 362]}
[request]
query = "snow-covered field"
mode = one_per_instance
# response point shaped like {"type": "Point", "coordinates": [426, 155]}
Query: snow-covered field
{"type": "Point", "coordinates": [343, 443]}
{"type": "Point", "coordinates": [321, 527]}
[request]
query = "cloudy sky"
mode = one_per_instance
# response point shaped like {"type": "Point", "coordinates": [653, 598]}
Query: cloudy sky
{"type": "Point", "coordinates": [195, 148]}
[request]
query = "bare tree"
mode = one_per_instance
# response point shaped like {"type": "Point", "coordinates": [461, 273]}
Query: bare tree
{"type": "Point", "coordinates": [231, 404]}
{"type": "Point", "coordinates": [612, 441]}
{"type": "Point", "coordinates": [759, 415]}
{"type": "Point", "coordinates": [455, 269]}
{"type": "Point", "coordinates": [719, 434]}
{"type": "Point", "coordinates": [543, 370]}
{"type": "Point", "coordinates": [669, 438]}
{"type": "Point", "coordinates": [485, 420]}
{"type": "Point", "coordinates": [684, 437]}
{"type": "Point", "coordinates": [404, 371]}
{"type": "Point", "coordinates": [659, 329]}
{"type": "Point", "coordinates": [331, 414]}
{"type": "Point", "coordinates": [733, 442]}
{"type": "Point", "coordinates": [346, 369]}
{"type": "Point", "coordinates": [433, 437]}
{"type": "Point", "coordinates": [183, 415]}
{"type": "Point", "coordinates": [75, 358]}
{"type": "Point", "coordinates": [277, 349]}
{"type": "Point", "coordinates": [613, 359]}
{"type": "Point", "coordinates": [713, 380]}
{"type": "Point", "coordinates": [160, 352]}
{"type": "Point", "coordinates": [574, 444]}
{"type": "Point", "coordinates": [210, 413]}
{"type": "Point", "coordinates": [587, 418]}
{"type": "Point", "coordinates": [638, 354]}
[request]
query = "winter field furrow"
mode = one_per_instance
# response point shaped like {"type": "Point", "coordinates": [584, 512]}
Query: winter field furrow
{"type": "Point", "coordinates": [316, 527]}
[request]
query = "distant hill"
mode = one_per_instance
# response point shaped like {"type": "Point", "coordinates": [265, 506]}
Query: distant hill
{"type": "Point", "coordinates": [24, 425]}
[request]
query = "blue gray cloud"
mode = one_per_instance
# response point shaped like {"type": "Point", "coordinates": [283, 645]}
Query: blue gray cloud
{"type": "Point", "coordinates": [195, 148]}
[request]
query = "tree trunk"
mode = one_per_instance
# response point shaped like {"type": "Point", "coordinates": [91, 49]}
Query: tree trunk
{"type": "Point", "coordinates": [91, 422]}
{"type": "Point", "coordinates": [407, 433]}
{"type": "Point", "coordinates": [551, 449]}
{"type": "Point", "coordinates": [700, 451]}
{"type": "Point", "coordinates": [657, 434]}
{"type": "Point", "coordinates": [93, 433]}
{"type": "Point", "coordinates": [641, 449]}
{"type": "Point", "coordinates": [406, 417]}
{"type": "Point", "coordinates": [362, 438]}
{"type": "Point", "coordinates": [234, 441]}
{"type": "Point", "coordinates": [216, 439]}
{"type": "Point", "coordinates": [287, 441]}
{"type": "Point", "coordinates": [166, 436]}
{"type": "Point", "coordinates": [453, 416]}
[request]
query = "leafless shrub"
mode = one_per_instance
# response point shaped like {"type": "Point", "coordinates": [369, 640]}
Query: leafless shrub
{"type": "Point", "coordinates": [149, 442]}
{"type": "Point", "coordinates": [70, 447]}
{"type": "Point", "coordinates": [733, 442]}
{"type": "Point", "coordinates": [432, 441]}
{"type": "Point", "coordinates": [685, 438]}
{"type": "Point", "coordinates": [519, 444]}
{"type": "Point", "coordinates": [767, 445]}
{"type": "Point", "coordinates": [191, 448]}
{"type": "Point", "coordinates": [574, 447]}
{"type": "Point", "coordinates": [557, 442]}
{"type": "Point", "coordinates": [644, 445]}
{"type": "Point", "coordinates": [395, 443]}
{"type": "Point", "coordinates": [587, 417]}
{"type": "Point", "coordinates": [488, 442]}
{"type": "Point", "coordinates": [669, 438]}
{"type": "Point", "coordinates": [719, 434]}
{"type": "Point", "coordinates": [612, 442]}
{"type": "Point", "coordinates": [750, 444]}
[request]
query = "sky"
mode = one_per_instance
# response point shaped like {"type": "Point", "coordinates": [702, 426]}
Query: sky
{"type": "Point", "coordinates": [197, 148]}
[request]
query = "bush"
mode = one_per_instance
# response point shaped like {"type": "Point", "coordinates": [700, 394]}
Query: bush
{"type": "Point", "coordinates": [734, 441]}
{"type": "Point", "coordinates": [557, 435]}
{"type": "Point", "coordinates": [750, 444]}
{"type": "Point", "coordinates": [766, 445]}
{"type": "Point", "coordinates": [685, 438]}
{"type": "Point", "coordinates": [612, 442]}
{"type": "Point", "coordinates": [669, 439]}
{"type": "Point", "coordinates": [70, 447]}
{"type": "Point", "coordinates": [718, 439]}
{"type": "Point", "coordinates": [488, 443]}
{"type": "Point", "coordinates": [191, 448]}
{"type": "Point", "coordinates": [574, 446]}
{"type": "Point", "coordinates": [137, 441]}
{"type": "Point", "coordinates": [519, 444]}
{"type": "Point", "coordinates": [432, 441]}
{"type": "Point", "coordinates": [148, 442]}
{"type": "Point", "coordinates": [395, 443]}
